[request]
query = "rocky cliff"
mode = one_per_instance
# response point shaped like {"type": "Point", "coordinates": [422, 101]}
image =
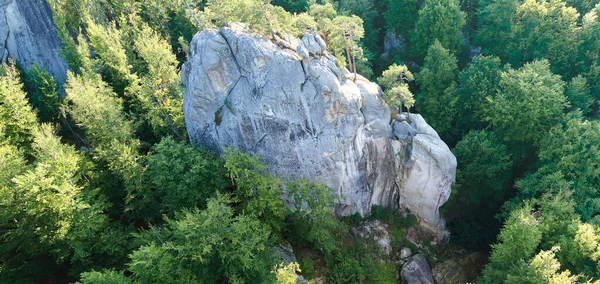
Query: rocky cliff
{"type": "Point", "coordinates": [289, 103]}
{"type": "Point", "coordinates": [28, 35]}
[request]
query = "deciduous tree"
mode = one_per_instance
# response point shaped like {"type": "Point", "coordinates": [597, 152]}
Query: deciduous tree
{"type": "Point", "coordinates": [529, 102]}
{"type": "Point", "coordinates": [436, 99]}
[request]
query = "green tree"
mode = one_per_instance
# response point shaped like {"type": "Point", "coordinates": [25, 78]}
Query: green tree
{"type": "Point", "coordinates": [96, 109]}
{"type": "Point", "coordinates": [395, 82]}
{"type": "Point", "coordinates": [529, 102]}
{"type": "Point", "coordinates": [478, 84]}
{"type": "Point", "coordinates": [43, 93]}
{"type": "Point", "coordinates": [545, 29]}
{"type": "Point", "coordinates": [585, 254]}
{"type": "Point", "coordinates": [589, 35]}
{"type": "Point", "coordinates": [438, 20]}
{"type": "Point", "coordinates": [583, 6]}
{"type": "Point", "coordinates": [578, 94]}
{"type": "Point", "coordinates": [287, 274]}
{"type": "Point", "coordinates": [345, 32]}
{"type": "Point", "coordinates": [517, 243]}
{"type": "Point", "coordinates": [401, 16]}
{"type": "Point", "coordinates": [482, 181]}
{"type": "Point", "coordinates": [436, 99]}
{"type": "Point", "coordinates": [312, 218]}
{"type": "Point", "coordinates": [256, 189]}
{"type": "Point", "coordinates": [47, 214]}
{"type": "Point", "coordinates": [323, 15]}
{"type": "Point", "coordinates": [104, 277]}
{"type": "Point", "coordinates": [571, 153]}
{"type": "Point", "coordinates": [159, 92]}
{"type": "Point", "coordinates": [183, 177]}
{"type": "Point", "coordinates": [593, 78]}
{"type": "Point", "coordinates": [204, 246]}
{"type": "Point", "coordinates": [17, 118]}
{"type": "Point", "coordinates": [494, 33]}
{"type": "Point", "coordinates": [543, 268]}
{"type": "Point", "coordinates": [369, 11]}
{"type": "Point", "coordinates": [251, 12]}
{"type": "Point", "coordinates": [292, 6]}
{"type": "Point", "coordinates": [470, 8]}
{"type": "Point", "coordinates": [107, 43]}
{"type": "Point", "coordinates": [560, 227]}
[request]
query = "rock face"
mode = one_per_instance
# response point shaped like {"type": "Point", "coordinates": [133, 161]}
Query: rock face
{"type": "Point", "coordinates": [305, 117]}
{"type": "Point", "coordinates": [376, 231]}
{"type": "Point", "coordinates": [417, 271]}
{"type": "Point", "coordinates": [28, 35]}
{"type": "Point", "coordinates": [391, 41]}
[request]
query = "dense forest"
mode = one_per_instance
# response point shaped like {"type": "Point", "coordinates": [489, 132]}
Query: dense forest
{"type": "Point", "coordinates": [99, 183]}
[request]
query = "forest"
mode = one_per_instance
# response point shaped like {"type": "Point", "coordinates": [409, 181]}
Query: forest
{"type": "Point", "coordinates": [100, 184]}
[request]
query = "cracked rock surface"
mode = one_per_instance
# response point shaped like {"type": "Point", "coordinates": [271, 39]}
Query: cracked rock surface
{"type": "Point", "coordinates": [304, 116]}
{"type": "Point", "coordinates": [28, 35]}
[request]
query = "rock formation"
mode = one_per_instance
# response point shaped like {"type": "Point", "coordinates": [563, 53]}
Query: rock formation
{"type": "Point", "coordinates": [460, 269]}
{"type": "Point", "coordinates": [417, 271]}
{"type": "Point", "coordinates": [377, 232]}
{"type": "Point", "coordinates": [289, 103]}
{"type": "Point", "coordinates": [28, 35]}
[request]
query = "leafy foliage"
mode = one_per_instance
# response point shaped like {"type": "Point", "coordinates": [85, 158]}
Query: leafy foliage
{"type": "Point", "coordinates": [395, 81]}
{"type": "Point", "coordinates": [529, 102]}
{"type": "Point", "coordinates": [517, 242]}
{"type": "Point", "coordinates": [569, 152]}
{"type": "Point", "coordinates": [478, 84]}
{"type": "Point", "coordinates": [44, 93]}
{"type": "Point", "coordinates": [313, 220]}
{"type": "Point", "coordinates": [17, 118]}
{"type": "Point", "coordinates": [184, 177]}
{"type": "Point", "coordinates": [65, 211]}
{"type": "Point", "coordinates": [436, 99]}
{"type": "Point", "coordinates": [257, 191]}
{"type": "Point", "coordinates": [484, 173]}
{"type": "Point", "coordinates": [438, 21]}
{"type": "Point", "coordinates": [205, 246]}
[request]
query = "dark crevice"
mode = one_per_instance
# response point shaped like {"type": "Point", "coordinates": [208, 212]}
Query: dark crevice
{"type": "Point", "coordinates": [234, 55]}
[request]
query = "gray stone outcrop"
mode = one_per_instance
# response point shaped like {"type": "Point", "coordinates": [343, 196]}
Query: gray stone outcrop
{"type": "Point", "coordinates": [28, 35]}
{"type": "Point", "coordinates": [460, 269]}
{"type": "Point", "coordinates": [377, 232]}
{"type": "Point", "coordinates": [417, 271]}
{"type": "Point", "coordinates": [306, 117]}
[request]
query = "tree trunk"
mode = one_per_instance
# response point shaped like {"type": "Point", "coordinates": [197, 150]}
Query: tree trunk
{"type": "Point", "coordinates": [354, 64]}
{"type": "Point", "coordinates": [349, 58]}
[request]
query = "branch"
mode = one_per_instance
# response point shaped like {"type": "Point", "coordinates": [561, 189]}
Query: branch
{"type": "Point", "coordinates": [193, 15]}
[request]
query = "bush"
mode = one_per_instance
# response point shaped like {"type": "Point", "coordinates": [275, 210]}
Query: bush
{"type": "Point", "coordinates": [353, 219]}
{"type": "Point", "coordinates": [43, 93]}
{"type": "Point", "coordinates": [393, 217]}
{"type": "Point", "coordinates": [308, 267]}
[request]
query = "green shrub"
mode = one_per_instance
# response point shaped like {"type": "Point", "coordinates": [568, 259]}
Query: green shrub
{"type": "Point", "coordinates": [43, 93]}
{"type": "Point", "coordinates": [308, 267]}
{"type": "Point", "coordinates": [393, 217]}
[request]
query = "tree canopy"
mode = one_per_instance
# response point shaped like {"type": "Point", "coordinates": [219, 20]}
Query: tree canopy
{"type": "Point", "coordinates": [99, 182]}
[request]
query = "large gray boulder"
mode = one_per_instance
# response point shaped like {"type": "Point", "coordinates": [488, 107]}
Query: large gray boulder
{"type": "Point", "coordinates": [306, 117]}
{"type": "Point", "coordinates": [417, 271]}
{"type": "Point", "coordinates": [28, 35]}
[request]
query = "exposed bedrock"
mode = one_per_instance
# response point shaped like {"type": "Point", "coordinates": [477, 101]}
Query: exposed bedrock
{"type": "Point", "coordinates": [289, 103]}
{"type": "Point", "coordinates": [28, 35]}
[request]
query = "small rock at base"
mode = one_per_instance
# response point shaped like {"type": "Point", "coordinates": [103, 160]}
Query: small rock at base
{"type": "Point", "coordinates": [405, 253]}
